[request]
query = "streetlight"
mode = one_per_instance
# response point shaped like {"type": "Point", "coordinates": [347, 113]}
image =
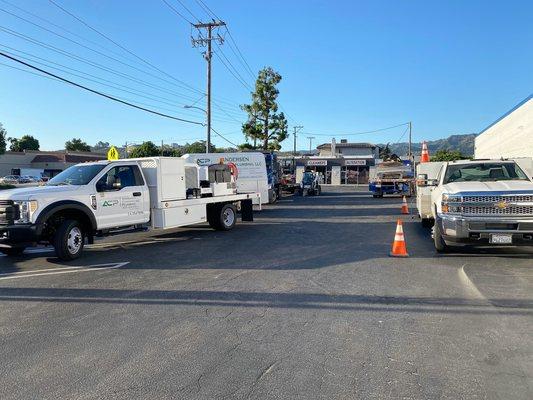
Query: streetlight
{"type": "Point", "coordinates": [208, 141]}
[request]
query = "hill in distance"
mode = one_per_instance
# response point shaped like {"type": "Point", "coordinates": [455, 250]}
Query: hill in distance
{"type": "Point", "coordinates": [462, 143]}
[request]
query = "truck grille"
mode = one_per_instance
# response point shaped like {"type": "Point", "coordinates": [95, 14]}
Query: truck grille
{"type": "Point", "coordinates": [7, 212]}
{"type": "Point", "coordinates": [514, 210]}
{"type": "Point", "coordinates": [496, 199]}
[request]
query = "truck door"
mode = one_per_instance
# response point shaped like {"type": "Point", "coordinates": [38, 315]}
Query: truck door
{"type": "Point", "coordinates": [122, 198]}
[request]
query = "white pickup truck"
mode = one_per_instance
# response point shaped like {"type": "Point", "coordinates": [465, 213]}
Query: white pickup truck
{"type": "Point", "coordinates": [476, 202]}
{"type": "Point", "coordinates": [99, 198]}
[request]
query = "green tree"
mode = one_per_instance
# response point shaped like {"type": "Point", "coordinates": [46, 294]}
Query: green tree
{"type": "Point", "coordinates": [247, 146]}
{"type": "Point", "coordinates": [26, 142]}
{"type": "Point", "coordinates": [147, 149]}
{"type": "Point", "coordinates": [264, 123]}
{"type": "Point", "coordinates": [197, 147]}
{"type": "Point", "coordinates": [102, 146]}
{"type": "Point", "coordinates": [3, 136]}
{"type": "Point", "coordinates": [77, 145]}
{"type": "Point", "coordinates": [448, 155]}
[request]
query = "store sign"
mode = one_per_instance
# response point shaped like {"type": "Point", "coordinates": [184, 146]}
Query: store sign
{"type": "Point", "coordinates": [354, 162]}
{"type": "Point", "coordinates": [317, 163]}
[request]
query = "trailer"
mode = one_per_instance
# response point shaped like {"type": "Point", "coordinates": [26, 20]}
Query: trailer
{"type": "Point", "coordinates": [391, 177]}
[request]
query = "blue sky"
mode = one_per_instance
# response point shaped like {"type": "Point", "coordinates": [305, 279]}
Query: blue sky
{"type": "Point", "coordinates": [348, 66]}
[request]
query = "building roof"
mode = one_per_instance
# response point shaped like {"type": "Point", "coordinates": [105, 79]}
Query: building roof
{"type": "Point", "coordinates": [530, 97]}
{"type": "Point", "coordinates": [353, 145]}
{"type": "Point", "coordinates": [77, 157]}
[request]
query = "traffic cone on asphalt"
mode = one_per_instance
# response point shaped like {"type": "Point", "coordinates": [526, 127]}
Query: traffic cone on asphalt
{"type": "Point", "coordinates": [398, 246]}
{"type": "Point", "coordinates": [405, 207]}
{"type": "Point", "coordinates": [424, 157]}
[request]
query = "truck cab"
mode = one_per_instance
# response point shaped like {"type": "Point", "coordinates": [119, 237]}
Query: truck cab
{"type": "Point", "coordinates": [483, 202]}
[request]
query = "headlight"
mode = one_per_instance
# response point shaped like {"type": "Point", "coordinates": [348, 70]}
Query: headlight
{"type": "Point", "coordinates": [451, 198]}
{"type": "Point", "coordinates": [26, 209]}
{"type": "Point", "coordinates": [448, 203]}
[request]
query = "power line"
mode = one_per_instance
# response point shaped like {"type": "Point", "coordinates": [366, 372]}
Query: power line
{"type": "Point", "coordinates": [97, 92]}
{"type": "Point", "coordinates": [189, 11]}
{"type": "Point", "coordinates": [86, 47]}
{"type": "Point", "coordinates": [222, 137]}
{"type": "Point", "coordinates": [235, 74]}
{"type": "Point", "coordinates": [124, 48]}
{"type": "Point", "coordinates": [63, 29]}
{"type": "Point", "coordinates": [173, 9]}
{"type": "Point", "coordinates": [358, 133]}
{"type": "Point", "coordinates": [99, 80]}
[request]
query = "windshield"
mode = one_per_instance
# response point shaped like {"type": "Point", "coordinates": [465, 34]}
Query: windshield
{"type": "Point", "coordinates": [484, 172]}
{"type": "Point", "coordinates": [77, 175]}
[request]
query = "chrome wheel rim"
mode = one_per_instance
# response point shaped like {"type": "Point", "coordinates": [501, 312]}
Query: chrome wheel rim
{"type": "Point", "coordinates": [229, 217]}
{"type": "Point", "coordinates": [74, 240]}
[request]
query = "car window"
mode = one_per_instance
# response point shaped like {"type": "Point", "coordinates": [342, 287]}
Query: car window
{"type": "Point", "coordinates": [118, 178]}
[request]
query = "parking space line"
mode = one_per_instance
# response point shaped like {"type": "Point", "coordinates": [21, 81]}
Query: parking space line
{"type": "Point", "coordinates": [64, 270]}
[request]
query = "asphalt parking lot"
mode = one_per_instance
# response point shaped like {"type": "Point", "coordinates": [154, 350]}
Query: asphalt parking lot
{"type": "Point", "coordinates": [303, 303]}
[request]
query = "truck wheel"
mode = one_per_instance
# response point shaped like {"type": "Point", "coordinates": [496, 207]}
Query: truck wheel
{"type": "Point", "coordinates": [69, 240]}
{"type": "Point", "coordinates": [13, 251]}
{"type": "Point", "coordinates": [227, 217]}
{"type": "Point", "coordinates": [440, 245]}
{"type": "Point", "coordinates": [427, 222]}
{"type": "Point", "coordinates": [213, 212]}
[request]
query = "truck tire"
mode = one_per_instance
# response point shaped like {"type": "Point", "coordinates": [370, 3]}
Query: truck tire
{"type": "Point", "coordinates": [69, 240]}
{"type": "Point", "coordinates": [13, 251]}
{"type": "Point", "coordinates": [213, 212]}
{"type": "Point", "coordinates": [227, 217]}
{"type": "Point", "coordinates": [427, 222]}
{"type": "Point", "coordinates": [440, 244]}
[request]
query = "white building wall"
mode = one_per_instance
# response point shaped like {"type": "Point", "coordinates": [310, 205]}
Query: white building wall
{"type": "Point", "coordinates": [511, 136]}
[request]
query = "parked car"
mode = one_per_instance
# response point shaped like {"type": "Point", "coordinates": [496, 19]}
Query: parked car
{"type": "Point", "coordinates": [10, 179]}
{"type": "Point", "coordinates": [25, 179]}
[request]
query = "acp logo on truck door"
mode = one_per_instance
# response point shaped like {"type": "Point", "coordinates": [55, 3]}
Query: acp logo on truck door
{"type": "Point", "coordinates": [109, 203]}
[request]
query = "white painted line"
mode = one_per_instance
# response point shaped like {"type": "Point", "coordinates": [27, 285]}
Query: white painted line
{"type": "Point", "coordinates": [471, 287]}
{"type": "Point", "coordinates": [38, 270]}
{"type": "Point", "coordinates": [65, 270]}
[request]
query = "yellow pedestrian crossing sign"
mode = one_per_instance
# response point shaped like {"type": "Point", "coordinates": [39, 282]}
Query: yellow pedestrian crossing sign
{"type": "Point", "coordinates": [112, 154]}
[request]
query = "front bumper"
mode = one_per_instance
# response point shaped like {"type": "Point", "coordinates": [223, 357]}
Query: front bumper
{"type": "Point", "coordinates": [19, 235]}
{"type": "Point", "coordinates": [476, 230]}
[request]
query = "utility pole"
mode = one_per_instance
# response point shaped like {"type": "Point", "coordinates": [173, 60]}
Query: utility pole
{"type": "Point", "coordinates": [296, 129]}
{"type": "Point", "coordinates": [310, 142]}
{"type": "Point", "coordinates": [202, 41]}
{"type": "Point", "coordinates": [410, 131]}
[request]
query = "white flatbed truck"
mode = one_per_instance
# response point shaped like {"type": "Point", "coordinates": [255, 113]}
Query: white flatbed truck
{"type": "Point", "coordinates": [106, 197]}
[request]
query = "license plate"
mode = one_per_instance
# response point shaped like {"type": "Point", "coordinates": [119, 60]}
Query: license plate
{"type": "Point", "coordinates": [501, 239]}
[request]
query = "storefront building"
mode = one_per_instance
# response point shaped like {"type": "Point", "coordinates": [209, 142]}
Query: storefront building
{"type": "Point", "coordinates": [340, 163]}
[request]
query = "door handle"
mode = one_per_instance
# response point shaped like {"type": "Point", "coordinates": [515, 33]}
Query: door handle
{"type": "Point", "coordinates": [136, 194]}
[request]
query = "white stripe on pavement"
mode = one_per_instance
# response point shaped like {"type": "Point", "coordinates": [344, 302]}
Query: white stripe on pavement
{"type": "Point", "coordinates": [64, 270]}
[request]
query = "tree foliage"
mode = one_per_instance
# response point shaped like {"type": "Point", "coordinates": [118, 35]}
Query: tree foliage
{"type": "Point", "coordinates": [264, 123]}
{"type": "Point", "coordinates": [77, 145]}
{"type": "Point", "coordinates": [3, 138]}
{"type": "Point", "coordinates": [448, 155]}
{"type": "Point", "coordinates": [147, 149]}
{"type": "Point", "coordinates": [26, 142]}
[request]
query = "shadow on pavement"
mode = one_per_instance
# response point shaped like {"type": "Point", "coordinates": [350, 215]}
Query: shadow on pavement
{"type": "Point", "coordinates": [272, 300]}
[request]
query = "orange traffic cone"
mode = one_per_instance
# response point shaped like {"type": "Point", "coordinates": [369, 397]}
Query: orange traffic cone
{"type": "Point", "coordinates": [424, 157]}
{"type": "Point", "coordinates": [405, 207]}
{"type": "Point", "coordinates": [398, 246]}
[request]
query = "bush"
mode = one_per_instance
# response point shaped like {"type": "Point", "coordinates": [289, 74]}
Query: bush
{"type": "Point", "coordinates": [3, 187]}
